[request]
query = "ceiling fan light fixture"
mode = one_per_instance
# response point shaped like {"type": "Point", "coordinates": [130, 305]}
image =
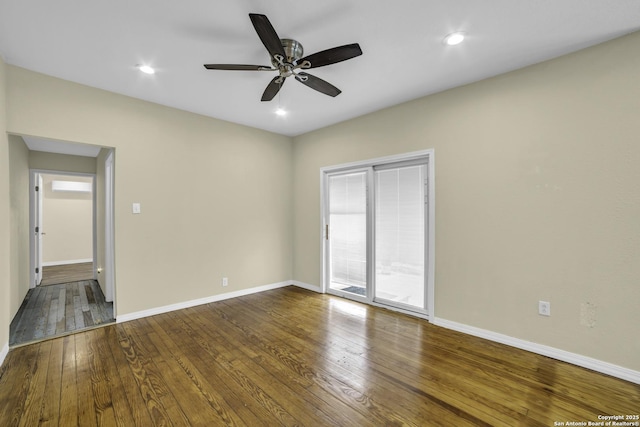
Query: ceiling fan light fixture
{"type": "Point", "coordinates": [146, 69]}
{"type": "Point", "coordinates": [454, 38]}
{"type": "Point", "coordinates": [281, 112]}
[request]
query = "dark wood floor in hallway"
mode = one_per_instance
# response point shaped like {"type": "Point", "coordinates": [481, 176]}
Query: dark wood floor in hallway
{"type": "Point", "coordinates": [293, 357]}
{"type": "Point", "coordinates": [66, 273]}
{"type": "Point", "coordinates": [54, 310]}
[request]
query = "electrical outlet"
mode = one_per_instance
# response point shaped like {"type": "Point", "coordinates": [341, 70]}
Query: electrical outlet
{"type": "Point", "coordinates": [225, 281]}
{"type": "Point", "coordinates": [544, 308]}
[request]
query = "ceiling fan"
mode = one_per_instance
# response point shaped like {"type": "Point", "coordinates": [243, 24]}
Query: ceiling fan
{"type": "Point", "coordinates": [286, 59]}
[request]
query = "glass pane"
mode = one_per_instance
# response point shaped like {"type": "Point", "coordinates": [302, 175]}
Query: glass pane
{"type": "Point", "coordinates": [400, 235]}
{"type": "Point", "coordinates": [348, 232]}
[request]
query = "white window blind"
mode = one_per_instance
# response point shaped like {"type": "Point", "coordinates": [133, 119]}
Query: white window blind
{"type": "Point", "coordinates": [399, 231]}
{"type": "Point", "coordinates": [348, 228]}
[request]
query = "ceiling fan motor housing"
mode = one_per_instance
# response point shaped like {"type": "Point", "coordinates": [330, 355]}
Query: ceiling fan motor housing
{"type": "Point", "coordinates": [293, 49]}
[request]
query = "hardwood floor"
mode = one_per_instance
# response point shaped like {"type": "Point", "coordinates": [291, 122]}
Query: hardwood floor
{"type": "Point", "coordinates": [54, 310]}
{"type": "Point", "coordinates": [294, 357]}
{"type": "Point", "coordinates": [57, 274]}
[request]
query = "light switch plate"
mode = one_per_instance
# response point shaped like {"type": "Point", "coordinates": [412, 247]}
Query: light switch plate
{"type": "Point", "coordinates": [136, 208]}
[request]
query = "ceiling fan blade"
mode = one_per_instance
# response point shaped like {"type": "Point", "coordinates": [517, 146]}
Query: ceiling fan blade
{"type": "Point", "coordinates": [331, 56]}
{"type": "Point", "coordinates": [238, 67]}
{"type": "Point", "coordinates": [273, 88]}
{"type": "Point", "coordinates": [318, 84]}
{"type": "Point", "coordinates": [267, 34]}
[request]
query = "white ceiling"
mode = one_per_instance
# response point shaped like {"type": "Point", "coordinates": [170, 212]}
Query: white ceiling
{"type": "Point", "coordinates": [99, 43]}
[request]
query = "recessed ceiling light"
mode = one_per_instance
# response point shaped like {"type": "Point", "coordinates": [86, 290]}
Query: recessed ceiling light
{"type": "Point", "coordinates": [454, 38]}
{"type": "Point", "coordinates": [281, 112]}
{"type": "Point", "coordinates": [146, 69]}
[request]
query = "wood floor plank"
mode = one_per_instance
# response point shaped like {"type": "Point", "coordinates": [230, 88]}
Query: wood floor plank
{"type": "Point", "coordinates": [117, 402]}
{"type": "Point", "coordinates": [69, 318]}
{"type": "Point", "coordinates": [105, 414]}
{"type": "Point", "coordinates": [146, 382]}
{"type": "Point", "coordinates": [33, 399]}
{"type": "Point", "coordinates": [139, 414]}
{"type": "Point", "coordinates": [62, 310]}
{"type": "Point", "coordinates": [52, 321]}
{"type": "Point", "coordinates": [78, 317]}
{"type": "Point", "coordinates": [14, 388]}
{"type": "Point", "coordinates": [69, 386]}
{"type": "Point", "coordinates": [86, 402]}
{"type": "Point", "coordinates": [50, 412]}
{"type": "Point", "coordinates": [293, 357]}
{"type": "Point", "coordinates": [41, 324]}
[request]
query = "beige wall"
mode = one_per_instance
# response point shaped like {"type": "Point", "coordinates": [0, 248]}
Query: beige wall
{"type": "Point", "coordinates": [215, 196]}
{"type": "Point", "coordinates": [19, 235]}
{"type": "Point", "coordinates": [5, 310]}
{"type": "Point", "coordinates": [67, 221]}
{"type": "Point", "coordinates": [61, 162]}
{"type": "Point", "coordinates": [537, 184]}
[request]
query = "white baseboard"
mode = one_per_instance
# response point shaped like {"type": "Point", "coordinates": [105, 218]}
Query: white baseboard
{"type": "Point", "coordinates": [70, 261]}
{"type": "Point", "coordinates": [555, 353]}
{"type": "Point", "coordinates": [307, 286]}
{"type": "Point", "coordinates": [4, 352]}
{"type": "Point", "coordinates": [187, 304]}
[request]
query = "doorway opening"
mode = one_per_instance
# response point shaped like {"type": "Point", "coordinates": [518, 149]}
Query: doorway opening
{"type": "Point", "coordinates": [64, 229]}
{"type": "Point", "coordinates": [378, 232]}
{"type": "Point", "coordinates": [71, 256]}
{"type": "Point", "coordinates": [64, 295]}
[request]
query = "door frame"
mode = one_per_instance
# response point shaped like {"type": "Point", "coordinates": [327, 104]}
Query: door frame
{"type": "Point", "coordinates": [429, 157]}
{"type": "Point", "coordinates": [35, 200]}
{"type": "Point", "coordinates": [109, 230]}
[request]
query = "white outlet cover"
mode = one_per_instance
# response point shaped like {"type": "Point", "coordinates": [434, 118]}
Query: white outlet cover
{"type": "Point", "coordinates": [544, 308]}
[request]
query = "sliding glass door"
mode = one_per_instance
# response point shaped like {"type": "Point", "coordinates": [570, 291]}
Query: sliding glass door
{"type": "Point", "coordinates": [376, 233]}
{"type": "Point", "coordinates": [347, 228]}
{"type": "Point", "coordinates": [399, 235]}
